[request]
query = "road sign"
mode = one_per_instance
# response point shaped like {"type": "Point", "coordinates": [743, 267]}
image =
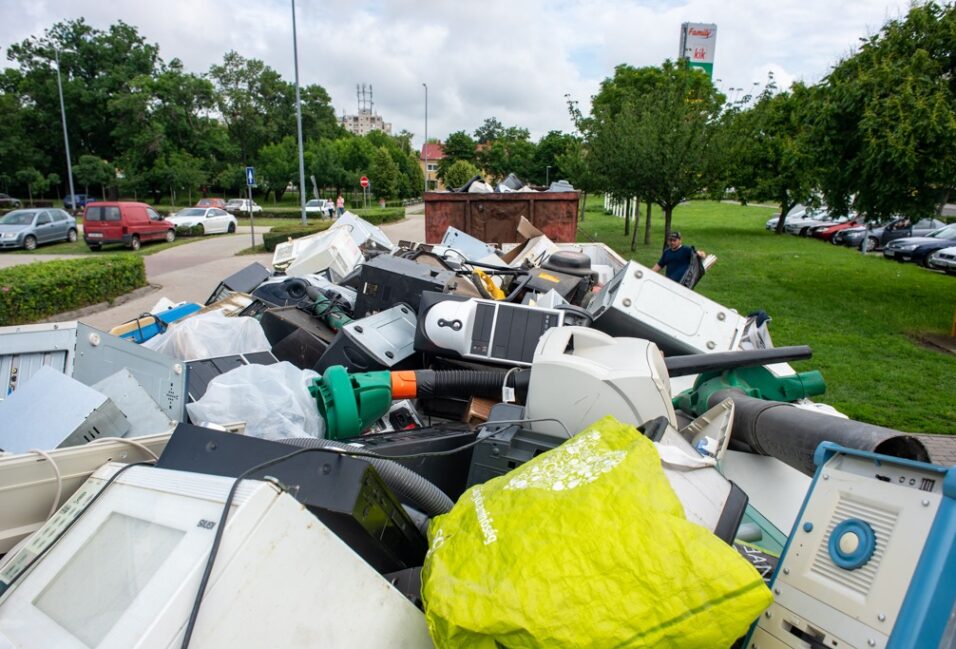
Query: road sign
{"type": "Point", "coordinates": [364, 181]}
{"type": "Point", "coordinates": [250, 176]}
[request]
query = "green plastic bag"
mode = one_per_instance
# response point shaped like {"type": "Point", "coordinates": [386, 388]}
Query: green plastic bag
{"type": "Point", "coordinates": [584, 546]}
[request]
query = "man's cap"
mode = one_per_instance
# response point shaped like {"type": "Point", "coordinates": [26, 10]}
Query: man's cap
{"type": "Point", "coordinates": [674, 235]}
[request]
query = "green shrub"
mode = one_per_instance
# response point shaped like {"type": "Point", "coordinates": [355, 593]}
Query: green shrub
{"type": "Point", "coordinates": [280, 233]}
{"type": "Point", "coordinates": [34, 291]}
{"type": "Point", "coordinates": [189, 230]}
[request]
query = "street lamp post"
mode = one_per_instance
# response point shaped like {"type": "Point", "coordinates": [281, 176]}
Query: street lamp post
{"type": "Point", "coordinates": [66, 137]}
{"type": "Point", "coordinates": [298, 118]}
{"type": "Point", "coordinates": [547, 175]}
{"type": "Point", "coordinates": [425, 146]}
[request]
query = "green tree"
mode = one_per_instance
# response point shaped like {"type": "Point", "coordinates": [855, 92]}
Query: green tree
{"type": "Point", "coordinates": [179, 171]}
{"type": "Point", "coordinates": [458, 146]}
{"type": "Point", "coordinates": [53, 180]}
{"type": "Point", "coordinates": [653, 135]}
{"type": "Point", "coordinates": [96, 69]}
{"type": "Point", "coordinates": [384, 174]}
{"type": "Point", "coordinates": [885, 119]}
{"type": "Point", "coordinates": [490, 130]}
{"type": "Point", "coordinates": [512, 152]}
{"type": "Point", "coordinates": [31, 178]}
{"type": "Point", "coordinates": [324, 164]}
{"type": "Point", "coordinates": [548, 152]}
{"type": "Point", "coordinates": [767, 149]}
{"type": "Point", "coordinates": [459, 173]}
{"type": "Point", "coordinates": [91, 170]}
{"type": "Point", "coordinates": [279, 165]}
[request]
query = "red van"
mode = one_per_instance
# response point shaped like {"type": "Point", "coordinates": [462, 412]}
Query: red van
{"type": "Point", "coordinates": [131, 224]}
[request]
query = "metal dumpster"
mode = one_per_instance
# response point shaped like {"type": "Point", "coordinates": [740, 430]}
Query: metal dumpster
{"type": "Point", "coordinates": [493, 218]}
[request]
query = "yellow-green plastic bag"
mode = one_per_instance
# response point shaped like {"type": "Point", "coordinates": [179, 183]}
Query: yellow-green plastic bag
{"type": "Point", "coordinates": [584, 546]}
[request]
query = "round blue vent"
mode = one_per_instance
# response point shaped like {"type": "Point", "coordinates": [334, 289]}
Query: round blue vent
{"type": "Point", "coordinates": [852, 543]}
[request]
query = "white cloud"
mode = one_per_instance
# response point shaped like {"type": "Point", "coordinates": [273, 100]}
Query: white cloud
{"type": "Point", "coordinates": [511, 60]}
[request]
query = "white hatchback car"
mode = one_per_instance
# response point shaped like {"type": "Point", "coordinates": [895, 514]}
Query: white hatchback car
{"type": "Point", "coordinates": [212, 219]}
{"type": "Point", "coordinates": [240, 205]}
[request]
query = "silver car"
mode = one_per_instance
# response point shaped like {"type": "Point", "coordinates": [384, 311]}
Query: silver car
{"type": "Point", "coordinates": [29, 228]}
{"type": "Point", "coordinates": [944, 260]}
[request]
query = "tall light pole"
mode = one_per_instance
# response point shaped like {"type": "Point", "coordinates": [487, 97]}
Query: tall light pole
{"type": "Point", "coordinates": [298, 118]}
{"type": "Point", "coordinates": [425, 146]}
{"type": "Point", "coordinates": [66, 137]}
{"type": "Point", "coordinates": [547, 175]}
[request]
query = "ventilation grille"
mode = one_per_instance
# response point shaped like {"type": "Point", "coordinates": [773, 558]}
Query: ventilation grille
{"type": "Point", "coordinates": [861, 579]}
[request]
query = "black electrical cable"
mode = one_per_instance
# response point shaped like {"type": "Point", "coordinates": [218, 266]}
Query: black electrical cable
{"type": "Point", "coordinates": [77, 517]}
{"type": "Point", "coordinates": [214, 550]}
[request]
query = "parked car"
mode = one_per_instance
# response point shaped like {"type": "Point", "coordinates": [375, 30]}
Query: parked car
{"type": "Point", "coordinates": [320, 206]}
{"type": "Point", "coordinates": [212, 202]}
{"type": "Point", "coordinates": [944, 260]}
{"type": "Point", "coordinates": [828, 231]}
{"type": "Point", "coordinates": [6, 200]}
{"type": "Point", "coordinates": [812, 218]}
{"type": "Point", "coordinates": [237, 205]}
{"type": "Point", "coordinates": [918, 248]}
{"type": "Point", "coordinates": [29, 228]}
{"type": "Point", "coordinates": [211, 219]}
{"type": "Point", "coordinates": [78, 201]}
{"type": "Point", "coordinates": [798, 211]}
{"type": "Point", "coordinates": [879, 236]}
{"type": "Point", "coordinates": [131, 224]}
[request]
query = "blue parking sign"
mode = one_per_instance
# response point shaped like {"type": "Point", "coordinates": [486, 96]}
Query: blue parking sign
{"type": "Point", "coordinates": [250, 176]}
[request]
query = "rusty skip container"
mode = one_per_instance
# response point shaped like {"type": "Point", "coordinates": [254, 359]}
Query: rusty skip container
{"type": "Point", "coordinates": [493, 218]}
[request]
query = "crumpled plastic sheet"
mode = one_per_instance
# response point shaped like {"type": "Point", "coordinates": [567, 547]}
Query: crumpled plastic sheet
{"type": "Point", "coordinates": [272, 400]}
{"type": "Point", "coordinates": [210, 335]}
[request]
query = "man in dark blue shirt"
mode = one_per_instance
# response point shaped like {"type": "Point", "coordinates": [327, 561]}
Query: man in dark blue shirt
{"type": "Point", "coordinates": [676, 257]}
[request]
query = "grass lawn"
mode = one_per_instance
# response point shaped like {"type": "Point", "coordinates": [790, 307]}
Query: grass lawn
{"type": "Point", "coordinates": [861, 315]}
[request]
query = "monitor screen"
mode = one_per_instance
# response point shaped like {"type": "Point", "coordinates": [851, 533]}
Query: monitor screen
{"type": "Point", "coordinates": [93, 590]}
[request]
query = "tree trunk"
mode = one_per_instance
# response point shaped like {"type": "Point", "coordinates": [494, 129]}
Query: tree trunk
{"type": "Point", "coordinates": [668, 214]}
{"type": "Point", "coordinates": [102, 192]}
{"type": "Point", "coordinates": [637, 223]}
{"type": "Point", "coordinates": [86, 188]}
{"type": "Point", "coordinates": [190, 195]}
{"type": "Point", "coordinates": [785, 206]}
{"type": "Point", "coordinates": [627, 216]}
{"type": "Point", "coordinates": [584, 205]}
{"type": "Point", "coordinates": [647, 225]}
{"type": "Point", "coordinates": [172, 198]}
{"type": "Point", "coordinates": [30, 194]}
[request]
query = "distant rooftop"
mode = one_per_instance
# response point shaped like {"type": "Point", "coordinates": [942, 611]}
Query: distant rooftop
{"type": "Point", "coordinates": [434, 150]}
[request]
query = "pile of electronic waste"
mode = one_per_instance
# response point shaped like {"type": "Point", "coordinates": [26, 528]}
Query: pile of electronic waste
{"type": "Point", "coordinates": [264, 469]}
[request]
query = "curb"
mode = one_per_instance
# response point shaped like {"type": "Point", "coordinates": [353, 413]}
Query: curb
{"type": "Point", "coordinates": [102, 306]}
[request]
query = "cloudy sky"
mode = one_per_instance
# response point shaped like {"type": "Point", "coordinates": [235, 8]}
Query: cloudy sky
{"type": "Point", "coordinates": [512, 60]}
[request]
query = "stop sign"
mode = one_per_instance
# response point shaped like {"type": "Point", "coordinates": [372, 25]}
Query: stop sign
{"type": "Point", "coordinates": [364, 181]}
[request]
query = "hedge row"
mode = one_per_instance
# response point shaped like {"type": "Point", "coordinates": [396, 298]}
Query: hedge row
{"type": "Point", "coordinates": [31, 292]}
{"type": "Point", "coordinates": [281, 233]}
